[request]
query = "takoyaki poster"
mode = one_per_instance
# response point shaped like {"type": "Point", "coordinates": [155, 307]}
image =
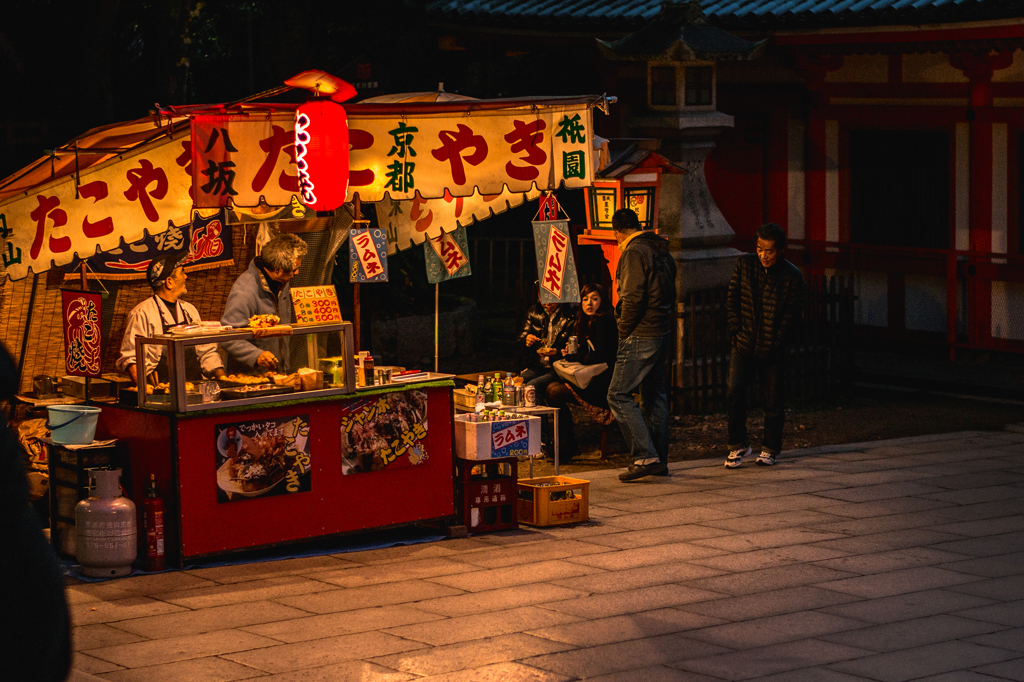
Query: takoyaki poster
{"type": "Point", "coordinates": [262, 457]}
{"type": "Point", "coordinates": [384, 432]}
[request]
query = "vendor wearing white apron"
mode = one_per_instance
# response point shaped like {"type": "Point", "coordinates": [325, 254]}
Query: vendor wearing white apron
{"type": "Point", "coordinates": [157, 314]}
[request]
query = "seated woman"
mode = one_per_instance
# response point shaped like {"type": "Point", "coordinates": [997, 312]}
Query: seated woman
{"type": "Point", "coordinates": [598, 341]}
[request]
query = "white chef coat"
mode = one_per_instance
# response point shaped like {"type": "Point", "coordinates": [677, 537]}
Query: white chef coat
{"type": "Point", "coordinates": [149, 319]}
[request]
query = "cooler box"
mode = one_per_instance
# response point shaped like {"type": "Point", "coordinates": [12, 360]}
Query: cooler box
{"type": "Point", "coordinates": [553, 500]}
{"type": "Point", "coordinates": [519, 437]}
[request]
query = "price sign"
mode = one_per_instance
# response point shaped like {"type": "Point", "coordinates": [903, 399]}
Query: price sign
{"type": "Point", "coordinates": [316, 304]}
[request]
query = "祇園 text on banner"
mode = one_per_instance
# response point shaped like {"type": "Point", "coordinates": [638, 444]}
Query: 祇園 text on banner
{"type": "Point", "coordinates": [388, 431]}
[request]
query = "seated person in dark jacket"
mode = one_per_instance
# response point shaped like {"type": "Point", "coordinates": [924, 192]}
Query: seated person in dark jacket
{"type": "Point", "coordinates": [597, 341]}
{"type": "Point", "coordinates": [546, 331]}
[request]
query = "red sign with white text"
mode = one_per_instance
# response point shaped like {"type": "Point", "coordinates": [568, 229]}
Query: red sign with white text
{"type": "Point", "coordinates": [82, 313]}
{"type": "Point", "coordinates": [316, 304]}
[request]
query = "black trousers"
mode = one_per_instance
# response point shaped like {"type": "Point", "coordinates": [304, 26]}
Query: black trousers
{"type": "Point", "coordinates": [742, 371]}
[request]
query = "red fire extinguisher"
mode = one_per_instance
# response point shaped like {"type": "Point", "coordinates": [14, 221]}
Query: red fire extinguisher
{"type": "Point", "coordinates": [153, 522]}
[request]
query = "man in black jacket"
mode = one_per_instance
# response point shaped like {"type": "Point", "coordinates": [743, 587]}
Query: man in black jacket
{"type": "Point", "coordinates": [547, 329]}
{"type": "Point", "coordinates": [646, 285]}
{"type": "Point", "coordinates": [765, 299]}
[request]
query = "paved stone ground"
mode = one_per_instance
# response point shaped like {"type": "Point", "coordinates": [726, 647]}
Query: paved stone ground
{"type": "Point", "coordinates": [895, 560]}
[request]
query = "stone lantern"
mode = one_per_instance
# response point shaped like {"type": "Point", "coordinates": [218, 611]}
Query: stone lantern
{"type": "Point", "coordinates": [679, 52]}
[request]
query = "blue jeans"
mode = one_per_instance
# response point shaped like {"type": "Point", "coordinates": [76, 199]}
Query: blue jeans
{"type": "Point", "coordinates": [742, 370]}
{"type": "Point", "coordinates": [640, 363]}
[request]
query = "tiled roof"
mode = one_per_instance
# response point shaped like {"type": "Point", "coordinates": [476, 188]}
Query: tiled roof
{"type": "Point", "coordinates": [628, 14]}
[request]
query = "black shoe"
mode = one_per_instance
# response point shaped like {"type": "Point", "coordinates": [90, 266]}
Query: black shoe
{"type": "Point", "coordinates": [636, 471]}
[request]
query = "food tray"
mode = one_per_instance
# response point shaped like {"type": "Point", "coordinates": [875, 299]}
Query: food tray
{"type": "Point", "coordinates": [254, 391]}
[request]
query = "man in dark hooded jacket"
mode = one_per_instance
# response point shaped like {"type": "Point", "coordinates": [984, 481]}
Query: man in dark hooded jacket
{"type": "Point", "coordinates": [764, 303]}
{"type": "Point", "coordinates": [646, 286]}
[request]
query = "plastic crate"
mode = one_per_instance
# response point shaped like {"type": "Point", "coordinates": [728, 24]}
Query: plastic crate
{"type": "Point", "coordinates": [486, 491]}
{"type": "Point", "coordinates": [553, 500]}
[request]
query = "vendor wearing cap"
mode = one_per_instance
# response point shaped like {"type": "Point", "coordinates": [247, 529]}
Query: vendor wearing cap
{"type": "Point", "coordinates": [264, 289]}
{"type": "Point", "coordinates": [158, 313]}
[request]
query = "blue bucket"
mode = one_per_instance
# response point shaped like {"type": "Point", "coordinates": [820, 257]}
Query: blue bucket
{"type": "Point", "coordinates": [73, 424]}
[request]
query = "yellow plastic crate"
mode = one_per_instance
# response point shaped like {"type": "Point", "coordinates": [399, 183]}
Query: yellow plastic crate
{"type": "Point", "coordinates": [553, 500]}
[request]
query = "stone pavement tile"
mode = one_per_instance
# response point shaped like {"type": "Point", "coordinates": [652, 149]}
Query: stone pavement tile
{"type": "Point", "coordinates": [959, 676]}
{"type": "Point", "coordinates": [875, 477]}
{"type": "Point", "coordinates": [809, 485]}
{"type": "Point", "coordinates": [92, 666]}
{"type": "Point", "coordinates": [657, 673]}
{"type": "Point", "coordinates": [423, 550]}
{"type": "Point", "coordinates": [864, 510]}
{"type": "Point", "coordinates": [600, 511]}
{"type": "Point", "coordinates": [481, 625]}
{"type": "Point", "coordinates": [87, 592]}
{"type": "Point", "coordinates": [497, 600]}
{"type": "Point", "coordinates": [1011, 639]}
{"type": "Point", "coordinates": [980, 511]}
{"type": "Point", "coordinates": [657, 536]}
{"type": "Point", "coordinates": [1006, 670]}
{"type": "Point", "coordinates": [331, 624]}
{"type": "Point", "coordinates": [669, 517]}
{"type": "Point", "coordinates": [162, 583]}
{"type": "Point", "coordinates": [976, 495]}
{"type": "Point", "coordinates": [775, 521]}
{"type": "Point", "coordinates": [932, 659]}
{"type": "Point", "coordinates": [907, 606]}
{"type": "Point", "coordinates": [99, 635]}
{"type": "Point", "coordinates": [991, 567]}
{"type": "Point", "coordinates": [882, 542]}
{"type": "Point", "coordinates": [811, 675]}
{"type": "Point", "coordinates": [249, 591]}
{"type": "Point", "coordinates": [590, 531]}
{"type": "Point", "coordinates": [595, 632]}
{"type": "Point", "coordinates": [320, 652]}
{"type": "Point", "coordinates": [644, 576]}
{"type": "Point", "coordinates": [354, 598]}
{"type": "Point", "coordinates": [499, 672]}
{"type": "Point", "coordinates": [208, 669]}
{"type": "Point", "coordinates": [907, 634]}
{"type": "Point", "coordinates": [771, 505]}
{"type": "Point", "coordinates": [465, 655]}
{"type": "Point", "coordinates": [958, 480]}
{"type": "Point", "coordinates": [89, 613]}
{"type": "Point", "coordinates": [207, 620]}
{"type": "Point", "coordinates": [775, 629]}
{"type": "Point", "coordinates": [1008, 588]}
{"type": "Point", "coordinates": [154, 652]}
{"type": "Point", "coordinates": [882, 491]}
{"type": "Point", "coordinates": [1007, 613]}
{"type": "Point", "coordinates": [236, 573]}
{"type": "Point", "coordinates": [768, 558]}
{"type": "Point", "coordinates": [637, 653]}
{"type": "Point", "coordinates": [891, 561]}
{"type": "Point", "coordinates": [346, 671]}
{"type": "Point", "coordinates": [771, 603]}
{"type": "Point", "coordinates": [1005, 543]}
{"type": "Point", "coordinates": [631, 601]}
{"type": "Point", "coordinates": [676, 501]}
{"type": "Point", "coordinates": [392, 573]}
{"type": "Point", "coordinates": [645, 556]}
{"type": "Point", "coordinates": [745, 542]}
{"type": "Point", "coordinates": [521, 574]}
{"type": "Point", "coordinates": [882, 524]}
{"type": "Point", "coordinates": [538, 551]}
{"type": "Point", "coordinates": [741, 665]}
{"type": "Point", "coordinates": [775, 578]}
{"type": "Point", "coordinates": [898, 582]}
{"type": "Point", "coordinates": [977, 529]}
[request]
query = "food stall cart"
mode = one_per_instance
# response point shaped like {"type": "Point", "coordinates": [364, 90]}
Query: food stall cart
{"type": "Point", "coordinates": [246, 472]}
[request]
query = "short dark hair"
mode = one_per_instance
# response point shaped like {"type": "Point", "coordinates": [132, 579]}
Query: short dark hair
{"type": "Point", "coordinates": [773, 233]}
{"type": "Point", "coordinates": [281, 252]}
{"type": "Point", "coordinates": [625, 220]}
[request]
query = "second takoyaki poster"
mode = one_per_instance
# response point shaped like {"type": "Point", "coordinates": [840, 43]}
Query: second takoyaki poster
{"type": "Point", "coordinates": [262, 457]}
{"type": "Point", "coordinates": [384, 432]}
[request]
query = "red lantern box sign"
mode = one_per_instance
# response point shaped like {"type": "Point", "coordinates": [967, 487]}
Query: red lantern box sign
{"type": "Point", "coordinates": [321, 154]}
{"type": "Point", "coordinates": [317, 304]}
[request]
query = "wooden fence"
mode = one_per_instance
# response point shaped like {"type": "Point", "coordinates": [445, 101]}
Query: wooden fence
{"type": "Point", "coordinates": [819, 362]}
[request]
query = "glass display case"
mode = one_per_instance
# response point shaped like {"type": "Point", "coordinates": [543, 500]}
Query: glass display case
{"type": "Point", "coordinates": [322, 365]}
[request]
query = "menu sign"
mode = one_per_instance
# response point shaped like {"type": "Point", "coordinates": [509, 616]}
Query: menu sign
{"type": "Point", "coordinates": [316, 304]}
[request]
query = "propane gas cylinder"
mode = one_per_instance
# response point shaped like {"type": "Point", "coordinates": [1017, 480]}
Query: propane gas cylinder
{"type": "Point", "coordinates": [105, 527]}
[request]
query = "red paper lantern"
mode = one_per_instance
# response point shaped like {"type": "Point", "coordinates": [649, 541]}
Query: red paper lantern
{"type": "Point", "coordinates": [321, 154]}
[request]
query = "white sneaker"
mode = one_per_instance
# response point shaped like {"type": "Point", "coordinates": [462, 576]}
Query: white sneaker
{"type": "Point", "coordinates": [766, 459]}
{"type": "Point", "coordinates": [737, 457]}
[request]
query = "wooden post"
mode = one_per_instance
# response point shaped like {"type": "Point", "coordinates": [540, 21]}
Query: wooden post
{"type": "Point", "coordinates": [85, 287]}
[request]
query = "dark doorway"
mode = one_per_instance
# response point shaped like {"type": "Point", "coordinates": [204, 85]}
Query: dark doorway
{"type": "Point", "coordinates": [899, 188]}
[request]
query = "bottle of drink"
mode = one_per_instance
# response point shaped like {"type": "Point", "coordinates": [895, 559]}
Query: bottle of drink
{"type": "Point", "coordinates": [496, 388]}
{"type": "Point", "coordinates": [480, 397]}
{"type": "Point", "coordinates": [488, 391]}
